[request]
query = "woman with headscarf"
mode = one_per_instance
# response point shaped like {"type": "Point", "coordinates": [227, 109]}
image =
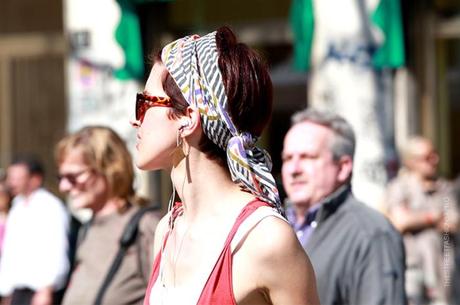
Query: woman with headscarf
{"type": "Point", "coordinates": [205, 103]}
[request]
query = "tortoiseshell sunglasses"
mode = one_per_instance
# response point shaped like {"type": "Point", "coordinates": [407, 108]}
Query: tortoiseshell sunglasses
{"type": "Point", "coordinates": [145, 101]}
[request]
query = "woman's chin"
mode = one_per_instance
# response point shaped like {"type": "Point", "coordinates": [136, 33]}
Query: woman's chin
{"type": "Point", "coordinates": [141, 165]}
{"type": "Point", "coordinates": [76, 205]}
{"type": "Point", "coordinates": [146, 165]}
{"type": "Point", "coordinates": [80, 210]}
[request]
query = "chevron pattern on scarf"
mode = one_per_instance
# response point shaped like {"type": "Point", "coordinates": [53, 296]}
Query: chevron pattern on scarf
{"type": "Point", "coordinates": [192, 61]}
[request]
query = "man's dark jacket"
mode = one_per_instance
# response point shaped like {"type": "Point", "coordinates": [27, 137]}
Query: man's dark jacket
{"type": "Point", "coordinates": [357, 255]}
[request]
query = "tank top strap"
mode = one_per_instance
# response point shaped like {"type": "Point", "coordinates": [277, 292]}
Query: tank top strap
{"type": "Point", "coordinates": [247, 211]}
{"type": "Point", "coordinates": [219, 287]}
{"type": "Point", "coordinates": [251, 221]}
{"type": "Point", "coordinates": [217, 284]}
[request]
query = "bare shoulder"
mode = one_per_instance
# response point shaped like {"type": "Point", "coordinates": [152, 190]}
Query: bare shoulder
{"type": "Point", "coordinates": [288, 276]}
{"type": "Point", "coordinates": [273, 238]}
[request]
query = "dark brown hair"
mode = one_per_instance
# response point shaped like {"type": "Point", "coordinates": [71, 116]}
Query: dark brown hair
{"type": "Point", "coordinates": [248, 87]}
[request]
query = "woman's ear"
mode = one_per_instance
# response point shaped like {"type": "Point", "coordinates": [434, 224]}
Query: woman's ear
{"type": "Point", "coordinates": [190, 122]}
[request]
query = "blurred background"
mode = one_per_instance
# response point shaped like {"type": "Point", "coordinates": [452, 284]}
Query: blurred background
{"type": "Point", "coordinates": [392, 68]}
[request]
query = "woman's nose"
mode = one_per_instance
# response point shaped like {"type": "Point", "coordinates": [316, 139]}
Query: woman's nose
{"type": "Point", "coordinates": [64, 185]}
{"type": "Point", "coordinates": [135, 123]}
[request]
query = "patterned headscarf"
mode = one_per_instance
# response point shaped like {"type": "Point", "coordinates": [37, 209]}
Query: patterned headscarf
{"type": "Point", "coordinates": [192, 61]}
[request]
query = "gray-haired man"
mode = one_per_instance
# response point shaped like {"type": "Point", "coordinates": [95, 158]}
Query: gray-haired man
{"type": "Point", "coordinates": [357, 255]}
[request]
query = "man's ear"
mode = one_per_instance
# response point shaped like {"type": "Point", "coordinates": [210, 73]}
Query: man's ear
{"type": "Point", "coordinates": [345, 168]}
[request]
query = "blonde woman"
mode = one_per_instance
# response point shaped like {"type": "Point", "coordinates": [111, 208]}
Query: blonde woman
{"type": "Point", "coordinates": [96, 172]}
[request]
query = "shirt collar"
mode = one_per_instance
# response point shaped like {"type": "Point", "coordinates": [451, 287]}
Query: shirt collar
{"type": "Point", "coordinates": [332, 202]}
{"type": "Point", "coordinates": [320, 210]}
{"type": "Point", "coordinates": [26, 199]}
{"type": "Point", "coordinates": [310, 216]}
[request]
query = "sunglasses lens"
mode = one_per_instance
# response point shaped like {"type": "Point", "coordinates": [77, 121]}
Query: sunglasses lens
{"type": "Point", "coordinates": [144, 102]}
{"type": "Point", "coordinates": [139, 102]}
{"type": "Point", "coordinates": [72, 179]}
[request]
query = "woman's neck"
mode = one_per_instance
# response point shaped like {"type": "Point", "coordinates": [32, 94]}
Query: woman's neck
{"type": "Point", "coordinates": [206, 188]}
{"type": "Point", "coordinates": [111, 206]}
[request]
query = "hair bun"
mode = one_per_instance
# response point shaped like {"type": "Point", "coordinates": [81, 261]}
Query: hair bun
{"type": "Point", "coordinates": [225, 39]}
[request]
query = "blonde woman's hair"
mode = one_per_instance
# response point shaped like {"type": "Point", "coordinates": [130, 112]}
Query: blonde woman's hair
{"type": "Point", "coordinates": [106, 153]}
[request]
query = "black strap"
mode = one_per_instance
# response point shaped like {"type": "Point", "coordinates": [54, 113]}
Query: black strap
{"type": "Point", "coordinates": [127, 239]}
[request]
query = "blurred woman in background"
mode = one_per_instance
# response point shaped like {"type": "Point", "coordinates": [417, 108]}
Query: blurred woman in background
{"type": "Point", "coordinates": [96, 172]}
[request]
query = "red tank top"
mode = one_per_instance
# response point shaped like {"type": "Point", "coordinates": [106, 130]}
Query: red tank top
{"type": "Point", "coordinates": [218, 288]}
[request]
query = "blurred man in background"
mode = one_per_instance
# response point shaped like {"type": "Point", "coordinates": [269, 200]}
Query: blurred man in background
{"type": "Point", "coordinates": [34, 263]}
{"type": "Point", "coordinates": [423, 207]}
{"type": "Point", "coordinates": [5, 205]}
{"type": "Point", "coordinates": [357, 255]}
